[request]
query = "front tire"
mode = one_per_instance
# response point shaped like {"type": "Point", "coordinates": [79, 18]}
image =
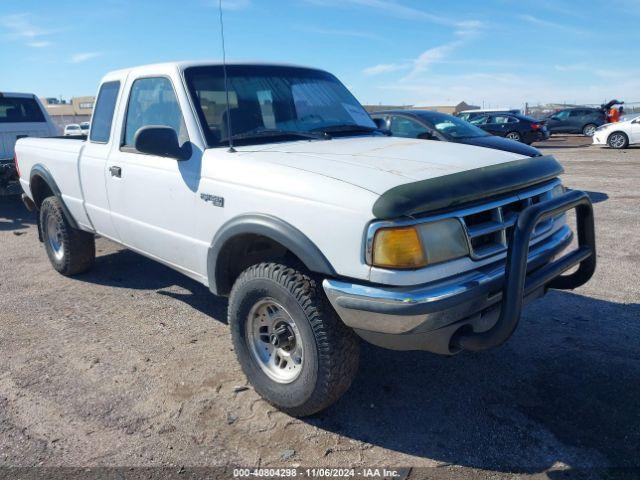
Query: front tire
{"type": "Point", "coordinates": [70, 251]}
{"type": "Point", "coordinates": [295, 351]}
{"type": "Point", "coordinates": [618, 140]}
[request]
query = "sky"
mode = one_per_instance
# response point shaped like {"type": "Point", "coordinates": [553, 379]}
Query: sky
{"type": "Point", "coordinates": [412, 52]}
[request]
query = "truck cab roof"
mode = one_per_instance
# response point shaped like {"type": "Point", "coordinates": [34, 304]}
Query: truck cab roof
{"type": "Point", "coordinates": [183, 65]}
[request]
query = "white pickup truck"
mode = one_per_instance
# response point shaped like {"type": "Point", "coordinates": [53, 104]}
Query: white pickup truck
{"type": "Point", "coordinates": [319, 227]}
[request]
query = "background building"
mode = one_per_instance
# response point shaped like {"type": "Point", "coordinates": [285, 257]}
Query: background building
{"type": "Point", "coordinates": [450, 109]}
{"type": "Point", "coordinates": [64, 112]}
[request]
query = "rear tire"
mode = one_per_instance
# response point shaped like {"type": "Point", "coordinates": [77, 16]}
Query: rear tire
{"type": "Point", "coordinates": [618, 140]}
{"type": "Point", "coordinates": [514, 136]}
{"type": "Point", "coordinates": [70, 251]}
{"type": "Point", "coordinates": [313, 358]}
{"type": "Point", "coordinates": [589, 130]}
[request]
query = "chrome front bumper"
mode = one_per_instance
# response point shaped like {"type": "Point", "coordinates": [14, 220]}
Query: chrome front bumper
{"type": "Point", "coordinates": [425, 317]}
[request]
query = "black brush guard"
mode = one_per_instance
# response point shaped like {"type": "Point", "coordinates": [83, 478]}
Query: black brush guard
{"type": "Point", "coordinates": [518, 284]}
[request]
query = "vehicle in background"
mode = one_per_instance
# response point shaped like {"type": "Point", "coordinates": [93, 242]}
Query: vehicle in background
{"type": "Point", "coordinates": [72, 130]}
{"type": "Point", "coordinates": [430, 125]}
{"type": "Point", "coordinates": [84, 128]}
{"type": "Point", "coordinates": [582, 120]}
{"type": "Point", "coordinates": [469, 115]}
{"type": "Point", "coordinates": [317, 226]}
{"type": "Point", "coordinates": [21, 115]}
{"type": "Point", "coordinates": [513, 126]}
{"type": "Point", "coordinates": [620, 134]}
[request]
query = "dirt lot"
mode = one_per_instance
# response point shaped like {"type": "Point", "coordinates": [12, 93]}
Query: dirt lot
{"type": "Point", "coordinates": [131, 364]}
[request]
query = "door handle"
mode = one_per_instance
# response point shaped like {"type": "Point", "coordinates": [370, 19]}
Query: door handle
{"type": "Point", "coordinates": [115, 171]}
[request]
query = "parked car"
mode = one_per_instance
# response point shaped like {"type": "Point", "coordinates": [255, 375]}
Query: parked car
{"type": "Point", "coordinates": [317, 226]}
{"type": "Point", "coordinates": [84, 128]}
{"type": "Point", "coordinates": [429, 125]}
{"type": "Point", "coordinates": [576, 120]}
{"type": "Point", "coordinates": [513, 126]}
{"type": "Point", "coordinates": [21, 115]}
{"type": "Point", "coordinates": [72, 129]}
{"type": "Point", "coordinates": [469, 115]}
{"type": "Point", "coordinates": [620, 134]}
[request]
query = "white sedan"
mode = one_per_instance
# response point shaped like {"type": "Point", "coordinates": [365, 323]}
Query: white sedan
{"type": "Point", "coordinates": [619, 134]}
{"type": "Point", "coordinates": [72, 129]}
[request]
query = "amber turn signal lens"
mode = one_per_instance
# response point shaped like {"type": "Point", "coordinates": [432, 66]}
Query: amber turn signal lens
{"type": "Point", "coordinates": [398, 248]}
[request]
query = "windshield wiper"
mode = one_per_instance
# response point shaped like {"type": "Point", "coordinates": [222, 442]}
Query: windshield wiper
{"type": "Point", "coordinates": [346, 128]}
{"type": "Point", "coordinates": [279, 133]}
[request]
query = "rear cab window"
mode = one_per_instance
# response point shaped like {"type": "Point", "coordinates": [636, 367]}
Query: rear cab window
{"type": "Point", "coordinates": [103, 113]}
{"type": "Point", "coordinates": [20, 110]}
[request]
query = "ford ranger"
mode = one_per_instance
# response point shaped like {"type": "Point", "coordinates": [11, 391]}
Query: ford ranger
{"type": "Point", "coordinates": [271, 185]}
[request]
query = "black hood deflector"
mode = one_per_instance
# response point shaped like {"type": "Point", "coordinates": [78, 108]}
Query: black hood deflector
{"type": "Point", "coordinates": [460, 188]}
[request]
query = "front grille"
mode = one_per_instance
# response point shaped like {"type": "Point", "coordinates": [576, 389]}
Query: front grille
{"type": "Point", "coordinates": [489, 227]}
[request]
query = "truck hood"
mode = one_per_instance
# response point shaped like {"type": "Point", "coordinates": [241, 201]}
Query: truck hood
{"type": "Point", "coordinates": [376, 163]}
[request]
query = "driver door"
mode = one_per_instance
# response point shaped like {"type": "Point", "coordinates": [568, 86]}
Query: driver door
{"type": "Point", "coordinates": [152, 198]}
{"type": "Point", "coordinates": [558, 122]}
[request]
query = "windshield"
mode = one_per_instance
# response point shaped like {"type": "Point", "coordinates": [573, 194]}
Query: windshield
{"type": "Point", "coordinates": [265, 100]}
{"type": "Point", "coordinates": [454, 127]}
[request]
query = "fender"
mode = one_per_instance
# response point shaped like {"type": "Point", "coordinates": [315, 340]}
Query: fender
{"type": "Point", "coordinates": [267, 226]}
{"type": "Point", "coordinates": [43, 172]}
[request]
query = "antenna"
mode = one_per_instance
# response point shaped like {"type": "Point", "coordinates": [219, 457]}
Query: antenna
{"type": "Point", "coordinates": [226, 85]}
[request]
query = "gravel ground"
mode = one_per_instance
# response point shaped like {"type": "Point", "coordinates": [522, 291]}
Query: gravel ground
{"type": "Point", "coordinates": [132, 365]}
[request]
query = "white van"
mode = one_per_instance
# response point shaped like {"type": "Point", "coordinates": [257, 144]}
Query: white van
{"type": "Point", "coordinates": [21, 115]}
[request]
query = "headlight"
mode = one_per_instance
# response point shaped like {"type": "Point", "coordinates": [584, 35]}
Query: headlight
{"type": "Point", "coordinates": [398, 248]}
{"type": "Point", "coordinates": [419, 245]}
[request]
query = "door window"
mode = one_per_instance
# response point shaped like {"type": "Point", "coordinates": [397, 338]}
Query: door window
{"type": "Point", "coordinates": [152, 101]}
{"type": "Point", "coordinates": [404, 127]}
{"type": "Point", "coordinates": [562, 115]}
{"type": "Point", "coordinates": [480, 120]}
{"type": "Point", "coordinates": [103, 113]}
{"type": "Point", "coordinates": [499, 119]}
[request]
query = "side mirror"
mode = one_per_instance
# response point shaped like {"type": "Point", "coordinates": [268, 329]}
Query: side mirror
{"type": "Point", "coordinates": [380, 123]}
{"type": "Point", "coordinates": [427, 136]}
{"type": "Point", "coordinates": [161, 141]}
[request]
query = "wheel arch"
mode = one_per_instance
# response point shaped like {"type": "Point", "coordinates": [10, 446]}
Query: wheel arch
{"type": "Point", "coordinates": [248, 230]}
{"type": "Point", "coordinates": [42, 185]}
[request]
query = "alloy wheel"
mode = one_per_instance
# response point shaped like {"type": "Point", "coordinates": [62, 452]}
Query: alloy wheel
{"type": "Point", "coordinates": [274, 341]}
{"type": "Point", "coordinates": [54, 237]}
